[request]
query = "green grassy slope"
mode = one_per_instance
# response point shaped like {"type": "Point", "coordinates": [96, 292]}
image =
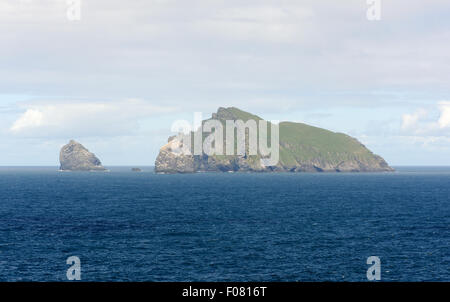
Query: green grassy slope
{"type": "Point", "coordinates": [300, 142]}
{"type": "Point", "coordinates": [304, 144]}
{"type": "Point", "coordinates": [302, 148]}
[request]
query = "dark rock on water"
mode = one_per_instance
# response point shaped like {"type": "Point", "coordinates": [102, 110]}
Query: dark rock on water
{"type": "Point", "coordinates": [136, 170]}
{"type": "Point", "coordinates": [75, 157]}
{"type": "Point", "coordinates": [302, 148]}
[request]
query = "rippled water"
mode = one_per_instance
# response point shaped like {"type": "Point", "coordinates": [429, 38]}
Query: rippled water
{"type": "Point", "coordinates": [224, 227]}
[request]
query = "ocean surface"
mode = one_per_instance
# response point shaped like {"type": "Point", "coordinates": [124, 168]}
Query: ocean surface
{"type": "Point", "coordinates": [128, 226]}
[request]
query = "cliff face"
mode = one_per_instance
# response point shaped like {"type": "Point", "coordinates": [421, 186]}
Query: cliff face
{"type": "Point", "coordinates": [75, 157]}
{"type": "Point", "coordinates": [172, 161]}
{"type": "Point", "coordinates": [303, 148]}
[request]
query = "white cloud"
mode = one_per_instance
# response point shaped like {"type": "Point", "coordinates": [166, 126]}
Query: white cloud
{"type": "Point", "coordinates": [30, 119]}
{"type": "Point", "coordinates": [444, 119]}
{"type": "Point", "coordinates": [428, 123]}
{"type": "Point", "coordinates": [410, 120]}
{"type": "Point", "coordinates": [270, 57]}
{"type": "Point", "coordinates": [205, 47]}
{"type": "Point", "coordinates": [77, 118]}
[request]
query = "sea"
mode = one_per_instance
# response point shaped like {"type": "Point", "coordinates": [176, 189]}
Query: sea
{"type": "Point", "coordinates": [129, 226]}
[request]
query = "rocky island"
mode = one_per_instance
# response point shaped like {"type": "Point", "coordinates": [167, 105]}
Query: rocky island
{"type": "Point", "coordinates": [302, 148]}
{"type": "Point", "coordinates": [75, 157]}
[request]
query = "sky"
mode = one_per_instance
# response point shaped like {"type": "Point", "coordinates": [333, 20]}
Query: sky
{"type": "Point", "coordinates": [118, 74]}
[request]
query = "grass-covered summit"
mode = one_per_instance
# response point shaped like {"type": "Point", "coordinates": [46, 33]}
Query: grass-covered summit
{"type": "Point", "coordinates": [302, 148]}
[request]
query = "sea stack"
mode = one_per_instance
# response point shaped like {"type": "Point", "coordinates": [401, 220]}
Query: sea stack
{"type": "Point", "coordinates": [75, 157]}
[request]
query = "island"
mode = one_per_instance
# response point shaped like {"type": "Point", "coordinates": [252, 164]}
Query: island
{"type": "Point", "coordinates": [75, 157]}
{"type": "Point", "coordinates": [302, 148]}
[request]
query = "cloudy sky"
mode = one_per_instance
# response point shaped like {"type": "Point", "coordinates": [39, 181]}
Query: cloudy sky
{"type": "Point", "coordinates": [117, 78]}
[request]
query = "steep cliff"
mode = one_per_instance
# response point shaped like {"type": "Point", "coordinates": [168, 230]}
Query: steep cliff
{"type": "Point", "coordinates": [75, 157]}
{"type": "Point", "coordinates": [302, 148]}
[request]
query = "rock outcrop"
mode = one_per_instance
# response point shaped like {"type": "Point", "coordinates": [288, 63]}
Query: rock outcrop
{"type": "Point", "coordinates": [302, 148]}
{"type": "Point", "coordinates": [75, 157]}
{"type": "Point", "coordinates": [171, 160]}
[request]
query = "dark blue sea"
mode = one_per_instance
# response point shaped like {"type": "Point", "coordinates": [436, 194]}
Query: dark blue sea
{"type": "Point", "coordinates": [128, 226]}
